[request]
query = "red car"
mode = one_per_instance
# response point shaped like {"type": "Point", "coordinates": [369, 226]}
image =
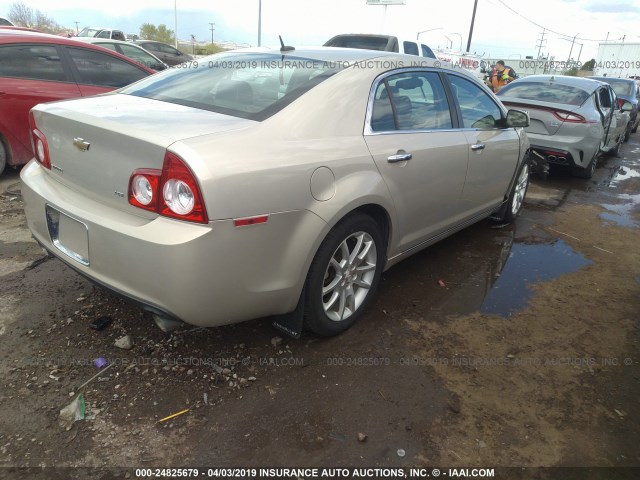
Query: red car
{"type": "Point", "coordinates": [37, 68]}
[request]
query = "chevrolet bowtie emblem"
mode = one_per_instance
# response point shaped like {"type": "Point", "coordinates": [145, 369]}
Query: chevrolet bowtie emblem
{"type": "Point", "coordinates": [80, 144]}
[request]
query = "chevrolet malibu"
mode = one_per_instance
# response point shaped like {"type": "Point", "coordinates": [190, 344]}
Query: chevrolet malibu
{"type": "Point", "coordinates": [270, 183]}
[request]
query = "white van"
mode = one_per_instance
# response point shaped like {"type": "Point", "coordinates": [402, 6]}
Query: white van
{"type": "Point", "coordinates": [386, 43]}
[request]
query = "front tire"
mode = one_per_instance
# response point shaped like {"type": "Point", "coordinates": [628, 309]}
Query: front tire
{"type": "Point", "coordinates": [516, 197]}
{"type": "Point", "coordinates": [344, 275]}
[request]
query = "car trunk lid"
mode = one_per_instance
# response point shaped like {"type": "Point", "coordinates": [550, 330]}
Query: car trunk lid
{"type": "Point", "coordinates": [96, 143]}
{"type": "Point", "coordinates": [543, 120]}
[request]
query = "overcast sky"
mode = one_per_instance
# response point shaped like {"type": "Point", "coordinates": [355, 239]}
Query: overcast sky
{"type": "Point", "coordinates": [500, 30]}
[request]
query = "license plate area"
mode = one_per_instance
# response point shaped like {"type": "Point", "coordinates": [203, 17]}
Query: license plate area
{"type": "Point", "coordinates": [68, 235]}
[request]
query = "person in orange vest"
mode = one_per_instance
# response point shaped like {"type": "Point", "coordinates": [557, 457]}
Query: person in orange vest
{"type": "Point", "coordinates": [500, 76]}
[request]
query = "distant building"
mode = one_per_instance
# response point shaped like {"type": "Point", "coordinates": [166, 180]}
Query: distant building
{"type": "Point", "coordinates": [618, 59]}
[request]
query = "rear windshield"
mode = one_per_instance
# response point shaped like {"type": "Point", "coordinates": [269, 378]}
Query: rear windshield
{"type": "Point", "coordinates": [545, 92]}
{"type": "Point", "coordinates": [362, 42]}
{"type": "Point", "coordinates": [251, 86]}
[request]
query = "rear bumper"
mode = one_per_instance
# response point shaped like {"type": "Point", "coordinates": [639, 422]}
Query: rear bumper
{"type": "Point", "coordinates": [205, 275]}
{"type": "Point", "coordinates": [577, 151]}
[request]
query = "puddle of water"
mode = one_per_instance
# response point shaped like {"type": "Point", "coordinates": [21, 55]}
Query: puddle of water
{"type": "Point", "coordinates": [624, 173]}
{"type": "Point", "coordinates": [529, 264]}
{"type": "Point", "coordinates": [620, 219]}
{"type": "Point", "coordinates": [622, 214]}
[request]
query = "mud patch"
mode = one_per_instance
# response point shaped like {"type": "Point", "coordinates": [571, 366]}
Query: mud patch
{"type": "Point", "coordinates": [8, 305]}
{"type": "Point", "coordinates": [533, 389]}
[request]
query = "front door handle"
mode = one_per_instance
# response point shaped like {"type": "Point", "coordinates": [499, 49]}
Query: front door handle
{"type": "Point", "coordinates": [400, 157]}
{"type": "Point", "coordinates": [477, 146]}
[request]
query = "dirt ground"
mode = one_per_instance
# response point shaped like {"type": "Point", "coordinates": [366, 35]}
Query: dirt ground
{"type": "Point", "coordinates": [499, 347]}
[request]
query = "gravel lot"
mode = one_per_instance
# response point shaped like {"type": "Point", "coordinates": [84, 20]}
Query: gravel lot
{"type": "Point", "coordinates": [513, 346]}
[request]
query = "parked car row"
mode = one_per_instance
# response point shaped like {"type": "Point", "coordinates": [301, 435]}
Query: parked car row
{"type": "Point", "coordinates": [166, 53]}
{"type": "Point", "coordinates": [37, 68]}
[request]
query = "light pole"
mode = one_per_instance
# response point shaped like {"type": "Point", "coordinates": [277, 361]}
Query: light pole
{"type": "Point", "coordinates": [259, 23]}
{"type": "Point", "coordinates": [450, 42]}
{"type": "Point", "coordinates": [175, 21]}
{"type": "Point", "coordinates": [425, 31]}
{"type": "Point", "coordinates": [77, 31]}
{"type": "Point", "coordinates": [460, 36]}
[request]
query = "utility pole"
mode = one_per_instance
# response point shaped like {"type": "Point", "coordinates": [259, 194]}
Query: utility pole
{"type": "Point", "coordinates": [212, 29]}
{"type": "Point", "coordinates": [541, 41]}
{"type": "Point", "coordinates": [77, 31]}
{"type": "Point", "coordinates": [473, 19]}
{"type": "Point", "coordinates": [571, 51]}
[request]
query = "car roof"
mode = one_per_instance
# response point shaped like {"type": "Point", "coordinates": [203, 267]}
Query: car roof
{"type": "Point", "coordinates": [100, 28]}
{"type": "Point", "coordinates": [104, 40]}
{"type": "Point", "coordinates": [10, 35]}
{"type": "Point", "coordinates": [337, 54]}
{"type": "Point", "coordinates": [612, 79]}
{"type": "Point", "coordinates": [587, 84]}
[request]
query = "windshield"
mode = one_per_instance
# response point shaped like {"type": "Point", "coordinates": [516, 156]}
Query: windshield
{"type": "Point", "coordinates": [89, 32]}
{"type": "Point", "coordinates": [545, 92]}
{"type": "Point", "coordinates": [254, 86]}
{"type": "Point", "coordinates": [362, 42]}
{"type": "Point", "coordinates": [620, 87]}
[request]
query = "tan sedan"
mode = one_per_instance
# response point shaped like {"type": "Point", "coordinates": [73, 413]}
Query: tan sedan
{"type": "Point", "coordinates": [270, 183]}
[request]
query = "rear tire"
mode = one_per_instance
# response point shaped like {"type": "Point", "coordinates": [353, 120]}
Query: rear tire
{"type": "Point", "coordinates": [3, 157]}
{"type": "Point", "coordinates": [344, 275]}
{"type": "Point", "coordinates": [589, 170]}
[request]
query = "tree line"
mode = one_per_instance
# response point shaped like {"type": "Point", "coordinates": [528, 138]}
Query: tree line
{"type": "Point", "coordinates": [22, 15]}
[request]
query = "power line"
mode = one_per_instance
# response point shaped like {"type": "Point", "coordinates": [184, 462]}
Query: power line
{"type": "Point", "coordinates": [546, 28]}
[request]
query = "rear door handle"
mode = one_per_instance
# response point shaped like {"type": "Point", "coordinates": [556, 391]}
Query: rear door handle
{"type": "Point", "coordinates": [477, 146]}
{"type": "Point", "coordinates": [401, 157]}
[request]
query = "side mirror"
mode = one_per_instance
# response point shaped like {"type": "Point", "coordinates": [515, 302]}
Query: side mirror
{"type": "Point", "coordinates": [626, 106]}
{"type": "Point", "coordinates": [517, 118]}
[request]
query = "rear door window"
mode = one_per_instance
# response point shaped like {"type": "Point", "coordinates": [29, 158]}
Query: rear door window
{"type": "Point", "coordinates": [102, 69]}
{"type": "Point", "coordinates": [35, 62]}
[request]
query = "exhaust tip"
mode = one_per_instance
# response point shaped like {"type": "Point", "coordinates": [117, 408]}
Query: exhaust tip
{"type": "Point", "coordinates": [166, 324]}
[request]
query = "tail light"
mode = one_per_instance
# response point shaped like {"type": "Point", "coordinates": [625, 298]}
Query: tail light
{"type": "Point", "coordinates": [620, 103]}
{"type": "Point", "coordinates": [569, 116]}
{"type": "Point", "coordinates": [39, 144]}
{"type": "Point", "coordinates": [171, 192]}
